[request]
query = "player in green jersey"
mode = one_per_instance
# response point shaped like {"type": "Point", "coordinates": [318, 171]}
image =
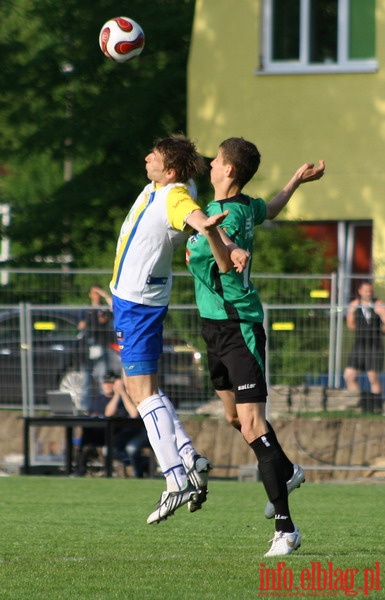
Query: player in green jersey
{"type": "Point", "coordinates": [232, 325]}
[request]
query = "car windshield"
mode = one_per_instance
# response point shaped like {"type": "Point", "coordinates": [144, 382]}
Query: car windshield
{"type": "Point", "coordinates": [45, 327]}
{"type": "Point", "coordinates": [53, 327]}
{"type": "Point", "coordinates": [9, 329]}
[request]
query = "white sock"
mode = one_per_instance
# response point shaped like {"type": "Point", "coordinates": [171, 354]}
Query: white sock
{"type": "Point", "coordinates": [161, 434]}
{"type": "Point", "coordinates": [184, 444]}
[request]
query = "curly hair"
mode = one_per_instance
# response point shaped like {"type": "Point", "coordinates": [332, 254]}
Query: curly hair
{"type": "Point", "coordinates": [180, 153]}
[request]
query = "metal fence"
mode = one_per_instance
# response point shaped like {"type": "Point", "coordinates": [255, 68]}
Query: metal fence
{"type": "Point", "coordinates": [42, 348]}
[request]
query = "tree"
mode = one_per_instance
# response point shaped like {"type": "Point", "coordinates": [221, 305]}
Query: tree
{"type": "Point", "coordinates": [64, 103]}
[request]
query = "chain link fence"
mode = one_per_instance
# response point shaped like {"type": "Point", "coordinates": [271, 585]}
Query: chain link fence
{"type": "Point", "coordinates": [42, 347]}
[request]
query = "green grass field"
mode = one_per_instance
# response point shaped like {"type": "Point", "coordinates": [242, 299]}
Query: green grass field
{"type": "Point", "coordinates": [88, 538]}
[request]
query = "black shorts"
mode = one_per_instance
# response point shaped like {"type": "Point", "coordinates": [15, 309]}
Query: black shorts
{"type": "Point", "coordinates": [236, 358]}
{"type": "Point", "coordinates": [366, 357]}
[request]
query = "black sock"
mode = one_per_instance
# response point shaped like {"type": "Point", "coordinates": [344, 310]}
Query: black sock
{"type": "Point", "coordinates": [271, 467]}
{"type": "Point", "coordinates": [376, 403]}
{"type": "Point", "coordinates": [289, 468]}
{"type": "Point", "coordinates": [366, 402]}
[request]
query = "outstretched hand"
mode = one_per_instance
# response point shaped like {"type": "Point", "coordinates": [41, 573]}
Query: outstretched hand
{"type": "Point", "coordinates": [310, 173]}
{"type": "Point", "coordinates": [214, 220]}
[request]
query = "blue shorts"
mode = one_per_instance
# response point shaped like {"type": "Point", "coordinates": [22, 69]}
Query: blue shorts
{"type": "Point", "coordinates": [139, 332]}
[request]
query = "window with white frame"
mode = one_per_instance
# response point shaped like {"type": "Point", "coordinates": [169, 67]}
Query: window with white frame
{"type": "Point", "coordinates": [318, 36]}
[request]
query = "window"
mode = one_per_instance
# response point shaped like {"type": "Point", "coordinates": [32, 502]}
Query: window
{"type": "Point", "coordinates": [318, 36]}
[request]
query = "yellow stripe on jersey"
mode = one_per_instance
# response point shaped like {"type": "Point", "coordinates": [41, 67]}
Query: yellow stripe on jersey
{"type": "Point", "coordinates": [126, 230]}
{"type": "Point", "coordinates": [179, 205]}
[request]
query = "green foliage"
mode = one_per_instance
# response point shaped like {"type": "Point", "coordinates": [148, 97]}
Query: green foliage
{"type": "Point", "coordinates": [301, 355]}
{"type": "Point", "coordinates": [88, 539]}
{"type": "Point", "coordinates": [62, 100]}
{"type": "Point", "coordinates": [281, 247]}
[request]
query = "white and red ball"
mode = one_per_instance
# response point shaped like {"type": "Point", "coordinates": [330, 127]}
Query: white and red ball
{"type": "Point", "coordinates": [121, 39]}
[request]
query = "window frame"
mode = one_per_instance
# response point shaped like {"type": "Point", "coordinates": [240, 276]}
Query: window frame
{"type": "Point", "coordinates": [303, 66]}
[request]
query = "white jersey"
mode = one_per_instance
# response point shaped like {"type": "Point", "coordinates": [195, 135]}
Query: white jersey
{"type": "Point", "coordinates": [152, 230]}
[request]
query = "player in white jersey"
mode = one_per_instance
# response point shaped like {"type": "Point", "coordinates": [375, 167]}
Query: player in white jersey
{"type": "Point", "coordinates": [157, 223]}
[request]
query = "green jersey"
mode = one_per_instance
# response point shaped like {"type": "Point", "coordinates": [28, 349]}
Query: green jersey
{"type": "Point", "coordinates": [227, 295]}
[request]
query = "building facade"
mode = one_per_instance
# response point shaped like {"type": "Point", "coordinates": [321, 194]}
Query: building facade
{"type": "Point", "coordinates": [304, 80]}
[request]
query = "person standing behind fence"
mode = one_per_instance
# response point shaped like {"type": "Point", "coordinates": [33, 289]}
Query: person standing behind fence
{"type": "Point", "coordinates": [232, 325]}
{"type": "Point", "coordinates": [97, 324]}
{"type": "Point", "coordinates": [366, 317]}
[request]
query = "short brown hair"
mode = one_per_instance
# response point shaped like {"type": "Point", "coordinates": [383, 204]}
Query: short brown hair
{"type": "Point", "coordinates": [180, 153]}
{"type": "Point", "coordinates": [244, 156]}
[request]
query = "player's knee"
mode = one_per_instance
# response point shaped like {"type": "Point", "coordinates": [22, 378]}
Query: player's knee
{"type": "Point", "coordinates": [350, 374]}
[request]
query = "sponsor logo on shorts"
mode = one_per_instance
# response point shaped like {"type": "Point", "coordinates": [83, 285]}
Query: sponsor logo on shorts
{"type": "Point", "coordinates": [246, 386]}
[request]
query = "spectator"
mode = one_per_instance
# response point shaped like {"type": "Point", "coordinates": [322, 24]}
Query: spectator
{"type": "Point", "coordinates": [129, 441]}
{"type": "Point", "coordinates": [366, 317]}
{"type": "Point", "coordinates": [96, 322]}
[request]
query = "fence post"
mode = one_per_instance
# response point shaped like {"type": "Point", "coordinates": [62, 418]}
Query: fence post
{"type": "Point", "coordinates": [332, 331]}
{"type": "Point", "coordinates": [340, 325]}
{"type": "Point", "coordinates": [26, 338]}
{"type": "Point", "coordinates": [24, 358]}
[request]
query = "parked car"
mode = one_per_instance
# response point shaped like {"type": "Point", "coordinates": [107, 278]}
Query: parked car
{"type": "Point", "coordinates": [181, 372]}
{"type": "Point", "coordinates": [57, 350]}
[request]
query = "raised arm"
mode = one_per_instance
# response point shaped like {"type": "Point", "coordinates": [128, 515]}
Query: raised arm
{"type": "Point", "coordinates": [304, 174]}
{"type": "Point", "coordinates": [379, 308]}
{"type": "Point", "coordinates": [103, 294]}
{"type": "Point", "coordinates": [208, 226]}
{"type": "Point", "coordinates": [227, 254]}
{"type": "Point", "coordinates": [350, 318]}
{"type": "Point", "coordinates": [112, 405]}
{"type": "Point", "coordinates": [121, 392]}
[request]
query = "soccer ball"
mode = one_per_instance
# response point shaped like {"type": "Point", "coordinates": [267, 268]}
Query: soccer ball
{"type": "Point", "coordinates": [121, 39]}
